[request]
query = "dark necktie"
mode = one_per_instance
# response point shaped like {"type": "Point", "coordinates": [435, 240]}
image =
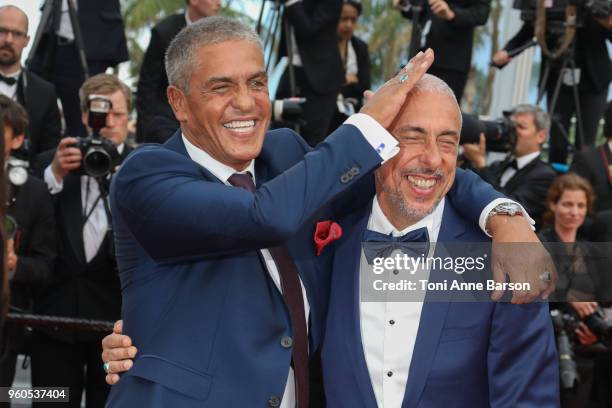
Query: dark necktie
{"type": "Point", "coordinates": [10, 81]}
{"type": "Point", "coordinates": [292, 294]}
{"type": "Point", "coordinates": [377, 245]}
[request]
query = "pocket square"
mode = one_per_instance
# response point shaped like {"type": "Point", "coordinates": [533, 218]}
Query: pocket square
{"type": "Point", "coordinates": [325, 233]}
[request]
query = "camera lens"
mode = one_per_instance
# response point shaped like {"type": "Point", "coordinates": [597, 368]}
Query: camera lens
{"type": "Point", "coordinates": [97, 162]}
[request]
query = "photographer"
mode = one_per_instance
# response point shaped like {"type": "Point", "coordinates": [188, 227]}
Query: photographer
{"type": "Point", "coordinates": [85, 282]}
{"type": "Point", "coordinates": [316, 62]}
{"type": "Point", "coordinates": [593, 163]}
{"type": "Point", "coordinates": [31, 252]}
{"type": "Point", "coordinates": [356, 62]}
{"type": "Point", "coordinates": [582, 281]}
{"type": "Point", "coordinates": [98, 30]}
{"type": "Point", "coordinates": [592, 76]}
{"type": "Point", "coordinates": [156, 121]}
{"type": "Point", "coordinates": [20, 84]}
{"type": "Point", "coordinates": [448, 28]}
{"type": "Point", "coordinates": [522, 175]}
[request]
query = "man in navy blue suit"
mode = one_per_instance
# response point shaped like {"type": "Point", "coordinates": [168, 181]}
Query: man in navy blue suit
{"type": "Point", "coordinates": [221, 288]}
{"type": "Point", "coordinates": [392, 351]}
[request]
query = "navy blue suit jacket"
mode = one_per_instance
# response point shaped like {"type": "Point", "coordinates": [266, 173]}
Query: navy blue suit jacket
{"type": "Point", "coordinates": [205, 315]}
{"type": "Point", "coordinates": [467, 354]}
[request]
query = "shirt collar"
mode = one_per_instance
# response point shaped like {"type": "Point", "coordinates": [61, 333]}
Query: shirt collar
{"type": "Point", "coordinates": [187, 19]}
{"type": "Point", "coordinates": [378, 222]}
{"type": "Point", "coordinates": [218, 169]}
{"type": "Point", "coordinates": [526, 159]}
{"type": "Point", "coordinates": [13, 75]}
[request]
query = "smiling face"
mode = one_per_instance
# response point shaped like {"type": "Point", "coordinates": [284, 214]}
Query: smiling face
{"type": "Point", "coordinates": [412, 183]}
{"type": "Point", "coordinates": [227, 110]}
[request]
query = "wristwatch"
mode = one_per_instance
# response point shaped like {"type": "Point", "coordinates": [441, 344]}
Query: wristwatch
{"type": "Point", "coordinates": [508, 208]}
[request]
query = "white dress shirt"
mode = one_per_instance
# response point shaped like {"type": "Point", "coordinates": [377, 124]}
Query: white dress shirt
{"type": "Point", "coordinates": [520, 163]}
{"type": "Point", "coordinates": [389, 329]}
{"type": "Point", "coordinates": [352, 68]}
{"type": "Point", "coordinates": [65, 27]}
{"type": "Point", "coordinates": [96, 225]}
{"type": "Point", "coordinates": [10, 91]}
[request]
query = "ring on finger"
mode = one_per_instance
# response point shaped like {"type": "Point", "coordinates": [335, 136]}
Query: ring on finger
{"type": "Point", "coordinates": [106, 367]}
{"type": "Point", "coordinates": [403, 78]}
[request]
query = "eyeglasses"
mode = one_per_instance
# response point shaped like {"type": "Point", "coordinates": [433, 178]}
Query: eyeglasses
{"type": "Point", "coordinates": [18, 35]}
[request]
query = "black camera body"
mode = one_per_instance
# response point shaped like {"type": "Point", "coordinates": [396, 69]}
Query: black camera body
{"type": "Point", "coordinates": [555, 12]}
{"type": "Point", "coordinates": [99, 154]}
{"type": "Point", "coordinates": [499, 133]}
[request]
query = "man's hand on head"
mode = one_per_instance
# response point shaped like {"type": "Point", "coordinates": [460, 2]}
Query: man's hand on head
{"type": "Point", "coordinates": [384, 105]}
{"type": "Point", "coordinates": [67, 158]}
{"type": "Point", "coordinates": [519, 254]}
{"type": "Point", "coordinates": [118, 352]}
{"type": "Point", "coordinates": [476, 153]}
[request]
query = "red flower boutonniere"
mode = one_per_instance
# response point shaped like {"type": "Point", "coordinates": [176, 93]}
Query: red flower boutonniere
{"type": "Point", "coordinates": [325, 233]}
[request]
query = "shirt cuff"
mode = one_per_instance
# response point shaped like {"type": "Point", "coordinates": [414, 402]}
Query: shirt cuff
{"type": "Point", "coordinates": [52, 184]}
{"type": "Point", "coordinates": [376, 135]}
{"type": "Point", "coordinates": [482, 222]}
{"type": "Point", "coordinates": [291, 2]}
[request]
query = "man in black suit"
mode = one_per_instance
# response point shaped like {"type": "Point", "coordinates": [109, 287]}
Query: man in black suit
{"type": "Point", "coordinates": [56, 57]}
{"type": "Point", "coordinates": [21, 85]}
{"type": "Point", "coordinates": [593, 77]}
{"type": "Point", "coordinates": [595, 165]}
{"type": "Point", "coordinates": [316, 62]}
{"type": "Point", "coordinates": [85, 282]}
{"type": "Point", "coordinates": [448, 28]}
{"type": "Point", "coordinates": [522, 175]}
{"type": "Point", "coordinates": [30, 254]}
{"type": "Point", "coordinates": [156, 121]}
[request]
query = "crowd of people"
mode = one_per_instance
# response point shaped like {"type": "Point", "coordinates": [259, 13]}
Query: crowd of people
{"type": "Point", "coordinates": [231, 314]}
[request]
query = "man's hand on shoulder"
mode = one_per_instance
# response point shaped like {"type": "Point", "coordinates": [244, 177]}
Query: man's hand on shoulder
{"type": "Point", "coordinates": [117, 353]}
{"type": "Point", "coordinates": [519, 254]}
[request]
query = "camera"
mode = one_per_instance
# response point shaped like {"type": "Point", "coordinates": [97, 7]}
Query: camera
{"type": "Point", "coordinates": [99, 154]}
{"type": "Point", "coordinates": [17, 170]}
{"type": "Point", "coordinates": [555, 12]}
{"type": "Point", "coordinates": [500, 133]}
{"type": "Point", "coordinates": [567, 365]}
{"type": "Point", "coordinates": [289, 110]}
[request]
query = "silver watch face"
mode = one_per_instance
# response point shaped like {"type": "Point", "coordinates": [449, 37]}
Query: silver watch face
{"type": "Point", "coordinates": [18, 176]}
{"type": "Point", "coordinates": [507, 208]}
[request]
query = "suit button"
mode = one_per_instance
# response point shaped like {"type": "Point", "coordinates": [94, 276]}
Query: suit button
{"type": "Point", "coordinates": [345, 178]}
{"type": "Point", "coordinates": [354, 171]}
{"type": "Point", "coordinates": [286, 342]}
{"type": "Point", "coordinates": [274, 401]}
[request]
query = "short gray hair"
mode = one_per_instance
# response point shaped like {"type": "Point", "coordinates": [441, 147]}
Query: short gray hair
{"type": "Point", "coordinates": [181, 55]}
{"type": "Point", "coordinates": [540, 118]}
{"type": "Point", "coordinates": [431, 83]}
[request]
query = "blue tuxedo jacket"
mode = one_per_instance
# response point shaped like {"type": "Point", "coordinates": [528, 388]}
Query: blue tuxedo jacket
{"type": "Point", "coordinates": [204, 313]}
{"type": "Point", "coordinates": [467, 354]}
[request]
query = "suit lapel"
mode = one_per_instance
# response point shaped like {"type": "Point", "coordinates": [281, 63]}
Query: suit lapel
{"type": "Point", "coordinates": [516, 178]}
{"type": "Point", "coordinates": [433, 317]}
{"type": "Point", "coordinates": [346, 270]}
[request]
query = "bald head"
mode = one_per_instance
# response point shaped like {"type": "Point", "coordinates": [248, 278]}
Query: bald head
{"type": "Point", "coordinates": [17, 15]}
{"type": "Point", "coordinates": [433, 84]}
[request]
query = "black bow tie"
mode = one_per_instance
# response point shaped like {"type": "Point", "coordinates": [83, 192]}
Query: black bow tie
{"type": "Point", "coordinates": [377, 245]}
{"type": "Point", "coordinates": [8, 80]}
